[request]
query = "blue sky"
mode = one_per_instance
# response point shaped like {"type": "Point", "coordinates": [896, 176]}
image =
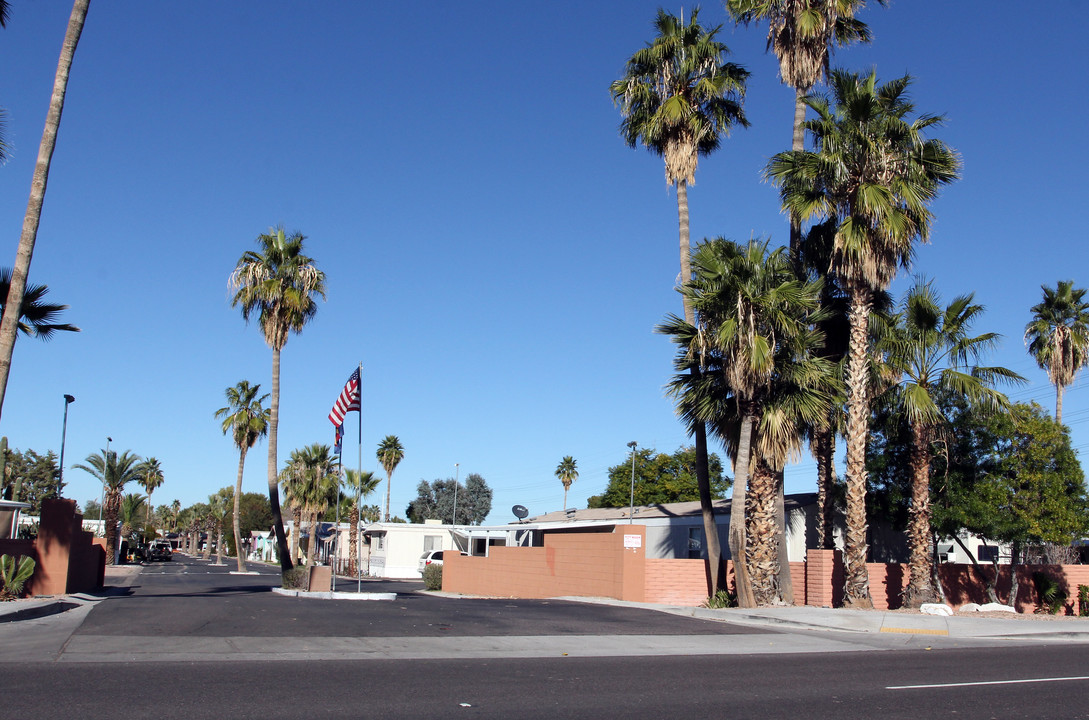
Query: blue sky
{"type": "Point", "coordinates": [497, 258]}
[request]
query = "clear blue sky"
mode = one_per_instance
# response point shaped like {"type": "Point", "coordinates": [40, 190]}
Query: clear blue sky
{"type": "Point", "coordinates": [496, 256]}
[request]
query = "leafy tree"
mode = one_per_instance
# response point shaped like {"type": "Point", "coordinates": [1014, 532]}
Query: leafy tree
{"type": "Point", "coordinates": [390, 454]}
{"type": "Point", "coordinates": [567, 473]}
{"type": "Point", "coordinates": [92, 509]}
{"type": "Point", "coordinates": [659, 478]}
{"type": "Point", "coordinates": [873, 174]}
{"type": "Point", "coordinates": [9, 324]}
{"type": "Point", "coordinates": [679, 97]}
{"type": "Point", "coordinates": [37, 476]}
{"type": "Point", "coordinates": [278, 283]}
{"type": "Point", "coordinates": [435, 501]}
{"type": "Point", "coordinates": [1058, 336]}
{"type": "Point", "coordinates": [246, 418]}
{"type": "Point", "coordinates": [114, 472]}
{"type": "Point", "coordinates": [929, 348]}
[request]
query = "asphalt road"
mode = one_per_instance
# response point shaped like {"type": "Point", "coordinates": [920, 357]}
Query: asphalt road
{"type": "Point", "coordinates": [119, 658]}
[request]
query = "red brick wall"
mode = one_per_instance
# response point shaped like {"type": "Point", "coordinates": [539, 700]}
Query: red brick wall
{"type": "Point", "coordinates": [676, 582]}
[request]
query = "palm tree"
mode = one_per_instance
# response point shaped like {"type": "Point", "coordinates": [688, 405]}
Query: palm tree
{"type": "Point", "coordinates": [751, 309]}
{"type": "Point", "coordinates": [175, 511]}
{"type": "Point", "coordinates": [131, 504]}
{"type": "Point", "coordinates": [292, 482]}
{"type": "Point", "coordinates": [1058, 336]}
{"type": "Point", "coordinates": [9, 325]}
{"type": "Point", "coordinates": [928, 350]}
{"type": "Point", "coordinates": [219, 505]}
{"type": "Point", "coordinates": [678, 97]}
{"type": "Point", "coordinates": [390, 453]}
{"type": "Point", "coordinates": [361, 484]}
{"type": "Point", "coordinates": [567, 472]}
{"type": "Point", "coordinates": [278, 284]}
{"type": "Point", "coordinates": [314, 488]}
{"type": "Point", "coordinates": [151, 477]}
{"type": "Point", "coordinates": [246, 418]}
{"type": "Point", "coordinates": [37, 318]}
{"type": "Point", "coordinates": [872, 174]}
{"type": "Point", "coordinates": [114, 472]}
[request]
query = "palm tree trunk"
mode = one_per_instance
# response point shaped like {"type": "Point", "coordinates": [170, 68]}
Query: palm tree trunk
{"type": "Point", "coordinates": [389, 481]}
{"type": "Point", "coordinates": [745, 597]}
{"type": "Point", "coordinates": [786, 584]}
{"type": "Point", "coordinates": [9, 325]}
{"type": "Point", "coordinates": [219, 543]}
{"type": "Point", "coordinates": [857, 577]}
{"type": "Point", "coordinates": [825, 480]}
{"type": "Point", "coordinates": [797, 145]}
{"type": "Point", "coordinates": [208, 529]}
{"type": "Point", "coordinates": [312, 546]}
{"type": "Point", "coordinates": [714, 565]}
{"type": "Point", "coordinates": [920, 588]}
{"type": "Point", "coordinates": [763, 551]}
{"type": "Point", "coordinates": [112, 503]}
{"type": "Point", "coordinates": [237, 521]}
{"type": "Point", "coordinates": [1058, 403]}
{"type": "Point", "coordinates": [273, 472]}
{"type": "Point", "coordinates": [353, 540]}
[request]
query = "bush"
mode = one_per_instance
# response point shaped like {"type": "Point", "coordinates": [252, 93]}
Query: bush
{"type": "Point", "coordinates": [432, 576]}
{"type": "Point", "coordinates": [1083, 600]}
{"type": "Point", "coordinates": [1052, 596]}
{"type": "Point", "coordinates": [14, 575]}
{"type": "Point", "coordinates": [721, 599]}
{"type": "Point", "coordinates": [297, 578]}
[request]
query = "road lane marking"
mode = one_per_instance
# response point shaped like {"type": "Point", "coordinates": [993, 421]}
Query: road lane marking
{"type": "Point", "coordinates": [986, 682]}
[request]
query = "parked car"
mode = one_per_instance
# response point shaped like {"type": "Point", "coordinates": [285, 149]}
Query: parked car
{"type": "Point", "coordinates": [434, 557]}
{"type": "Point", "coordinates": [158, 550]}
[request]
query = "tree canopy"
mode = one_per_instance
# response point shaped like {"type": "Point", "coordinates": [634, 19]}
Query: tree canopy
{"type": "Point", "coordinates": [435, 501]}
{"type": "Point", "coordinates": [659, 478]}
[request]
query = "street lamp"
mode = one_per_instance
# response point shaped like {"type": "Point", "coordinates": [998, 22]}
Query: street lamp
{"type": "Point", "coordinates": [457, 474]}
{"type": "Point", "coordinates": [68, 400]}
{"type": "Point", "coordinates": [105, 467]}
{"type": "Point", "coordinates": [631, 509]}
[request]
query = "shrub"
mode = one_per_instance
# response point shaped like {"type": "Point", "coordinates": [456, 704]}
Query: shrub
{"type": "Point", "coordinates": [1083, 600]}
{"type": "Point", "coordinates": [432, 576]}
{"type": "Point", "coordinates": [297, 578]}
{"type": "Point", "coordinates": [721, 599]}
{"type": "Point", "coordinates": [14, 575]}
{"type": "Point", "coordinates": [1052, 596]}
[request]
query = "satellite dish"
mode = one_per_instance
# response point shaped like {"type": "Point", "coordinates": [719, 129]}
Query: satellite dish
{"type": "Point", "coordinates": [520, 511]}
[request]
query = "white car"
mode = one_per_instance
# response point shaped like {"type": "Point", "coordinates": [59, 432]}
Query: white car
{"type": "Point", "coordinates": [434, 557]}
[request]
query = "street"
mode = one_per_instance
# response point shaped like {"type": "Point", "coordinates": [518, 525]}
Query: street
{"type": "Point", "coordinates": [186, 639]}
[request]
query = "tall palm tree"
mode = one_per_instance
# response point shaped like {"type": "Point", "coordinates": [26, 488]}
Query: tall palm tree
{"type": "Point", "coordinates": [360, 484]}
{"type": "Point", "coordinates": [247, 420]}
{"type": "Point", "coordinates": [9, 324]}
{"type": "Point", "coordinates": [750, 307]}
{"type": "Point", "coordinates": [679, 97]}
{"type": "Point", "coordinates": [390, 453]}
{"type": "Point", "coordinates": [278, 283]}
{"type": "Point", "coordinates": [929, 349]}
{"type": "Point", "coordinates": [151, 477]}
{"type": "Point", "coordinates": [114, 472]}
{"type": "Point", "coordinates": [567, 472]}
{"type": "Point", "coordinates": [175, 511]}
{"type": "Point", "coordinates": [1058, 336]}
{"type": "Point", "coordinates": [292, 483]}
{"type": "Point", "coordinates": [873, 174]}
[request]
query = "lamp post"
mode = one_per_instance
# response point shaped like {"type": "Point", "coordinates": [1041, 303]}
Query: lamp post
{"type": "Point", "coordinates": [457, 474]}
{"type": "Point", "coordinates": [631, 509]}
{"type": "Point", "coordinates": [68, 400]}
{"type": "Point", "coordinates": [105, 467]}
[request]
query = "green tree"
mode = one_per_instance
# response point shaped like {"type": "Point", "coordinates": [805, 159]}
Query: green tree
{"type": "Point", "coordinates": [114, 472]}
{"type": "Point", "coordinates": [1058, 336]}
{"type": "Point", "coordinates": [659, 478]}
{"type": "Point", "coordinates": [873, 175]}
{"type": "Point", "coordinates": [315, 486]}
{"type": "Point", "coordinates": [9, 324]}
{"type": "Point", "coordinates": [247, 420]}
{"type": "Point", "coordinates": [567, 473]}
{"type": "Point", "coordinates": [37, 476]}
{"type": "Point", "coordinates": [131, 506]}
{"type": "Point", "coordinates": [928, 349]}
{"type": "Point", "coordinates": [360, 485]}
{"type": "Point", "coordinates": [390, 453]}
{"type": "Point", "coordinates": [278, 283]}
{"type": "Point", "coordinates": [679, 97]}
{"type": "Point", "coordinates": [151, 477]}
{"type": "Point", "coordinates": [435, 501]}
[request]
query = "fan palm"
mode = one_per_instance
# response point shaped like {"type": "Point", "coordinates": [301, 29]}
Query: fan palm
{"type": "Point", "coordinates": [361, 484]}
{"type": "Point", "coordinates": [315, 480]}
{"type": "Point", "coordinates": [278, 283]}
{"type": "Point", "coordinates": [37, 318]}
{"type": "Point", "coordinates": [872, 174]}
{"type": "Point", "coordinates": [929, 349]}
{"type": "Point", "coordinates": [567, 472]}
{"type": "Point", "coordinates": [151, 477]}
{"type": "Point", "coordinates": [114, 472]}
{"type": "Point", "coordinates": [679, 97]}
{"type": "Point", "coordinates": [9, 324]}
{"type": "Point", "coordinates": [246, 419]}
{"type": "Point", "coordinates": [390, 453]}
{"type": "Point", "coordinates": [131, 504]}
{"type": "Point", "coordinates": [751, 308]}
{"type": "Point", "coordinates": [1058, 336]}
{"type": "Point", "coordinates": [218, 506]}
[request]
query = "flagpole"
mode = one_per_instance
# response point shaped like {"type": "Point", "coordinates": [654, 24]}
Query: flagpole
{"type": "Point", "coordinates": [358, 564]}
{"type": "Point", "coordinates": [336, 537]}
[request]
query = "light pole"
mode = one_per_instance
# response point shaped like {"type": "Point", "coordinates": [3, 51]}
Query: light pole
{"type": "Point", "coordinates": [457, 474]}
{"type": "Point", "coordinates": [631, 509]}
{"type": "Point", "coordinates": [68, 400]}
{"type": "Point", "coordinates": [105, 467]}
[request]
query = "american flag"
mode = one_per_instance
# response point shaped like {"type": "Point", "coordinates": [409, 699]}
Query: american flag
{"type": "Point", "coordinates": [339, 444]}
{"type": "Point", "coordinates": [349, 400]}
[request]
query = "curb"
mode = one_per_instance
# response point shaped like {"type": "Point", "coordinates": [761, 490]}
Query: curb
{"type": "Point", "coordinates": [334, 595]}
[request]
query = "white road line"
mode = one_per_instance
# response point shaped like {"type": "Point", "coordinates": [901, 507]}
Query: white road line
{"type": "Point", "coordinates": [988, 682]}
